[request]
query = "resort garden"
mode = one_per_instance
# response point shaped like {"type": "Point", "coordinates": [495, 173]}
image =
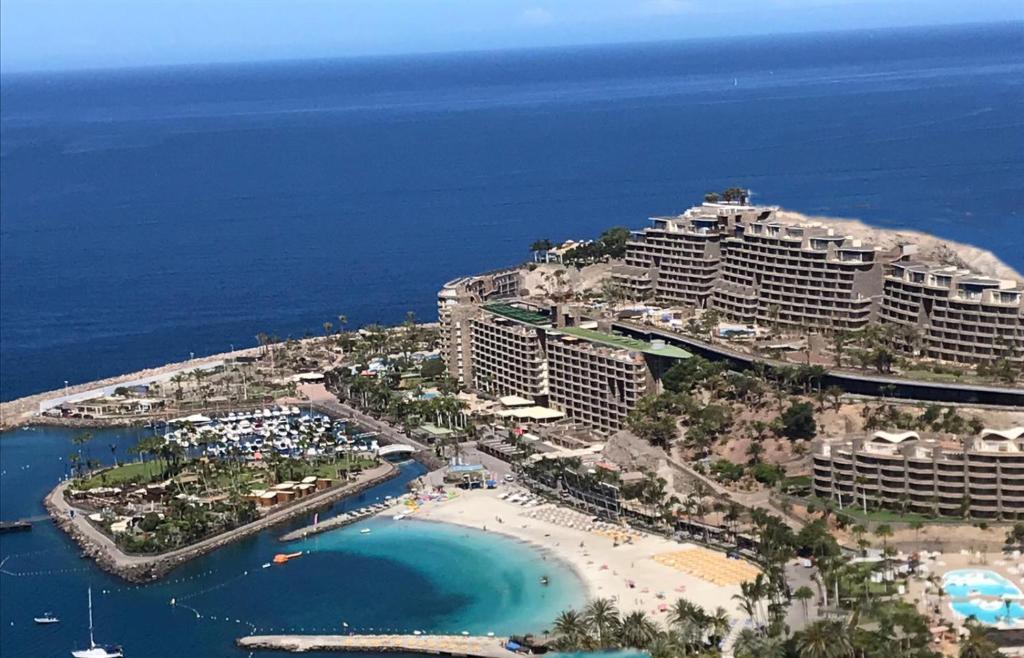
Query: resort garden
{"type": "Point", "coordinates": [172, 493]}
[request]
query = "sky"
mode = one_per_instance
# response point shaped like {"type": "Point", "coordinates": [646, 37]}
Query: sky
{"type": "Point", "coordinates": [83, 34]}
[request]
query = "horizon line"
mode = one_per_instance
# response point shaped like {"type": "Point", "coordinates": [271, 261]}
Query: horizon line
{"type": "Point", "coordinates": [583, 45]}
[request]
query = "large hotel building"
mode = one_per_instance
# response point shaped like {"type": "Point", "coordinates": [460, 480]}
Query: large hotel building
{"type": "Point", "coordinates": [979, 476]}
{"type": "Point", "coordinates": [549, 357]}
{"type": "Point", "coordinates": [752, 268]}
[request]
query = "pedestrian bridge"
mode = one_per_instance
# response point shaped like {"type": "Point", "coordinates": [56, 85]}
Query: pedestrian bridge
{"type": "Point", "coordinates": [396, 449]}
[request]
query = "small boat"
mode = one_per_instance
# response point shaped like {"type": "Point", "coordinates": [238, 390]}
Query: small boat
{"type": "Point", "coordinates": [281, 558]}
{"type": "Point", "coordinates": [544, 580]}
{"type": "Point", "coordinates": [46, 618]}
{"type": "Point", "coordinates": [95, 650]}
{"type": "Point", "coordinates": [266, 565]}
{"type": "Point", "coordinates": [364, 531]}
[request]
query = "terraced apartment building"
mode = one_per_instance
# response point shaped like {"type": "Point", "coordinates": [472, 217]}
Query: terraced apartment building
{"type": "Point", "coordinates": [543, 355]}
{"type": "Point", "coordinates": [978, 476]}
{"type": "Point", "coordinates": [752, 268]}
{"type": "Point", "coordinates": [684, 253]}
{"type": "Point", "coordinates": [798, 276]}
{"type": "Point", "coordinates": [952, 314]}
{"type": "Point", "coordinates": [457, 303]}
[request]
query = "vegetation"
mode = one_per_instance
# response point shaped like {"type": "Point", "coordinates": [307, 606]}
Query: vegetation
{"type": "Point", "coordinates": [691, 630]}
{"type": "Point", "coordinates": [797, 422]}
{"type": "Point", "coordinates": [611, 244]}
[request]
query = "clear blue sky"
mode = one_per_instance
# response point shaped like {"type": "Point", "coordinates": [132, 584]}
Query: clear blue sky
{"type": "Point", "coordinates": [73, 34]}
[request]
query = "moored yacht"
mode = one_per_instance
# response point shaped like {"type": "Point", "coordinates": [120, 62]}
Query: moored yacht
{"type": "Point", "coordinates": [95, 650]}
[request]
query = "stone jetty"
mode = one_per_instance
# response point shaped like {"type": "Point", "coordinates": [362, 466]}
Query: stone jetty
{"type": "Point", "coordinates": [447, 645]}
{"type": "Point", "coordinates": [147, 568]}
{"type": "Point", "coordinates": [334, 522]}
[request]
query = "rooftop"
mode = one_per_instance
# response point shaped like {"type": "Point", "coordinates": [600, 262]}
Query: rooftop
{"type": "Point", "coordinates": [517, 314]}
{"type": "Point", "coordinates": [625, 343]}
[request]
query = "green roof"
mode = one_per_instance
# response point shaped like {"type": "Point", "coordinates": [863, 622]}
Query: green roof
{"type": "Point", "coordinates": [517, 314]}
{"type": "Point", "coordinates": [623, 342]}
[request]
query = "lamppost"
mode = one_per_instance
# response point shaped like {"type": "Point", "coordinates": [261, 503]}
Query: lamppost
{"type": "Point", "coordinates": [65, 388]}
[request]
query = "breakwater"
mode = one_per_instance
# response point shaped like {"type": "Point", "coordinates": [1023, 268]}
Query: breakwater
{"type": "Point", "coordinates": [147, 568]}
{"type": "Point", "coordinates": [335, 522]}
{"type": "Point", "coordinates": [449, 645]}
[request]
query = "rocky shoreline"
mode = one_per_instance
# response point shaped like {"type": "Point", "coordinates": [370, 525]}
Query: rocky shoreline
{"type": "Point", "coordinates": [148, 568]}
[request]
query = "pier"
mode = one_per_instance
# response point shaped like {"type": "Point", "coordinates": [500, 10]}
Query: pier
{"type": "Point", "coordinates": [447, 645]}
{"type": "Point", "coordinates": [339, 521]}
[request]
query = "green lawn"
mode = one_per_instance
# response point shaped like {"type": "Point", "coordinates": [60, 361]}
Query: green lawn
{"type": "Point", "coordinates": [221, 478]}
{"type": "Point", "coordinates": [132, 472]}
{"type": "Point", "coordinates": [884, 515]}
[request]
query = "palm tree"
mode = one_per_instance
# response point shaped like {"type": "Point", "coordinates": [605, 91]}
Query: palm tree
{"type": "Point", "coordinates": [977, 645]}
{"type": "Point", "coordinates": [571, 631]}
{"type": "Point", "coordinates": [668, 645]}
{"type": "Point", "coordinates": [80, 440]}
{"type": "Point", "coordinates": [803, 594]}
{"type": "Point", "coordinates": [602, 617]}
{"type": "Point", "coordinates": [684, 612]}
{"type": "Point", "coordinates": [637, 631]}
{"type": "Point", "coordinates": [719, 624]}
{"type": "Point", "coordinates": [883, 532]}
{"type": "Point", "coordinates": [824, 639]}
{"type": "Point", "coordinates": [747, 645]}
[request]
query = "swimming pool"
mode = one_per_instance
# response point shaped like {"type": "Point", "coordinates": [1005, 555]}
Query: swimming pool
{"type": "Point", "coordinates": [984, 595]}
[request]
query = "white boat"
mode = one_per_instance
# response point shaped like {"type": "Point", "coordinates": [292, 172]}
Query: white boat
{"type": "Point", "coordinates": [46, 618]}
{"type": "Point", "coordinates": [94, 650]}
{"type": "Point", "coordinates": [364, 531]}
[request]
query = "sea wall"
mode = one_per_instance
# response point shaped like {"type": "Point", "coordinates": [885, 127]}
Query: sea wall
{"type": "Point", "coordinates": [147, 568]}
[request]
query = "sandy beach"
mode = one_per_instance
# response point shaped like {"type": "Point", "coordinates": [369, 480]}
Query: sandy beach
{"type": "Point", "coordinates": [606, 569]}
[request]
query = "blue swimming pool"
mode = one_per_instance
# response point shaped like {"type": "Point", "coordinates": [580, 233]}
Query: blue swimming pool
{"type": "Point", "coordinates": [984, 595]}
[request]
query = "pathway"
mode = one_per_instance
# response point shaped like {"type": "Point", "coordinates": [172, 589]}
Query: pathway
{"type": "Point", "coordinates": [455, 645]}
{"type": "Point", "coordinates": [148, 567]}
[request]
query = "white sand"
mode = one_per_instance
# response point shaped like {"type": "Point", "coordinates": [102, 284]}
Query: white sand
{"type": "Point", "coordinates": [480, 509]}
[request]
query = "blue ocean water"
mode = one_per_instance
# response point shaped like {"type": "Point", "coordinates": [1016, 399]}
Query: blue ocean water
{"type": "Point", "coordinates": [147, 214]}
{"type": "Point", "coordinates": [404, 576]}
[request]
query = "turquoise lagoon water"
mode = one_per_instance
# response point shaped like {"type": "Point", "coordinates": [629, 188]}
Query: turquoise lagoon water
{"type": "Point", "coordinates": [490, 582]}
{"type": "Point", "coordinates": [982, 594]}
{"type": "Point", "coordinates": [404, 575]}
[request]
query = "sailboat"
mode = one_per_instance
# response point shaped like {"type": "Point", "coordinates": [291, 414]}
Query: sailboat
{"type": "Point", "coordinates": [95, 651]}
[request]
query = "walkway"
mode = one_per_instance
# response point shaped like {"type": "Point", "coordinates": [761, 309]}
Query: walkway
{"type": "Point", "coordinates": [141, 568]}
{"type": "Point", "coordinates": [858, 383]}
{"type": "Point", "coordinates": [452, 645]}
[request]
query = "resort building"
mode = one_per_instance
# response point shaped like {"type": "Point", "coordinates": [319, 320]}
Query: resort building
{"type": "Point", "coordinates": [979, 476]}
{"type": "Point", "coordinates": [457, 304]}
{"type": "Point", "coordinates": [953, 314]}
{"type": "Point", "coordinates": [685, 252]}
{"type": "Point", "coordinates": [750, 267]}
{"type": "Point", "coordinates": [593, 383]}
{"type": "Point", "coordinates": [507, 355]}
{"type": "Point", "coordinates": [554, 363]}
{"type": "Point", "coordinates": [798, 277]}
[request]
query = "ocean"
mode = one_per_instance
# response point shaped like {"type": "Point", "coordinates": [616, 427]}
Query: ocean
{"type": "Point", "coordinates": [149, 214]}
{"type": "Point", "coordinates": [403, 576]}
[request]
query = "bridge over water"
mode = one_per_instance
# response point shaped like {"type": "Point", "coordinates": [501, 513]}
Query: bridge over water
{"type": "Point", "coordinates": [396, 449]}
